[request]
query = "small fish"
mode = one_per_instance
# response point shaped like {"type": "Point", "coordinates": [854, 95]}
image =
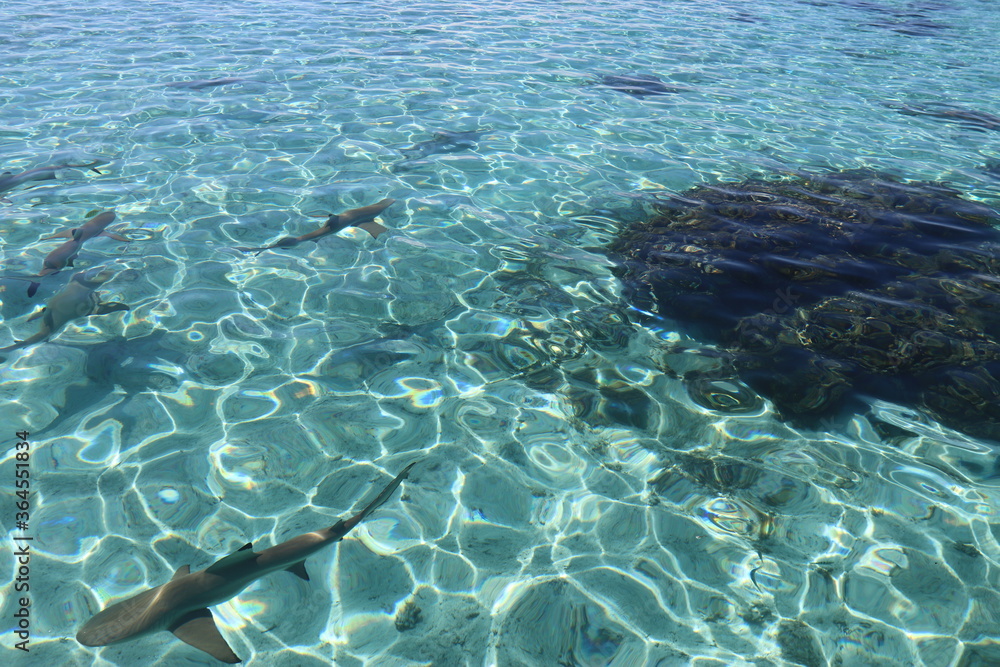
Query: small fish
{"type": "Point", "coordinates": [9, 181]}
{"type": "Point", "coordinates": [94, 227]}
{"type": "Point", "coordinates": [638, 85]}
{"type": "Point", "coordinates": [181, 605]}
{"type": "Point", "coordinates": [362, 218]}
{"type": "Point", "coordinates": [78, 299]}
{"type": "Point", "coordinates": [198, 84]}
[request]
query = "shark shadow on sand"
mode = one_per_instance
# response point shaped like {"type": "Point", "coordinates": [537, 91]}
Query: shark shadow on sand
{"type": "Point", "coordinates": [126, 366]}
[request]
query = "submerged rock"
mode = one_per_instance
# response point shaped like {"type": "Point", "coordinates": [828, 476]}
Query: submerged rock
{"type": "Point", "coordinates": [830, 287]}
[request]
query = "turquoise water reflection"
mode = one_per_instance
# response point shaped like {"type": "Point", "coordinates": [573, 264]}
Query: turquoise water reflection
{"type": "Point", "coordinates": [573, 505]}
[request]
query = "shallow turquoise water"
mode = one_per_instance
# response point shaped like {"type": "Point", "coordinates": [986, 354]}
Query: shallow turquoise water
{"type": "Point", "coordinates": [572, 504]}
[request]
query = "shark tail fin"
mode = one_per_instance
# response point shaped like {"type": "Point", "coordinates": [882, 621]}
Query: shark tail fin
{"type": "Point", "coordinates": [198, 629]}
{"type": "Point", "coordinates": [343, 527]}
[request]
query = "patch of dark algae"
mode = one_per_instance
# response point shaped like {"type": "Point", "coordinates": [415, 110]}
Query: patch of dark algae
{"type": "Point", "coordinates": [827, 288]}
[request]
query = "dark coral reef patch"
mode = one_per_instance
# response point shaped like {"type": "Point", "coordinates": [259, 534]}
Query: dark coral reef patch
{"type": "Point", "coordinates": [826, 288]}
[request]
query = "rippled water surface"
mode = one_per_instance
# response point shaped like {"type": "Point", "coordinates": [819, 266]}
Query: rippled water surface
{"type": "Point", "coordinates": [574, 501]}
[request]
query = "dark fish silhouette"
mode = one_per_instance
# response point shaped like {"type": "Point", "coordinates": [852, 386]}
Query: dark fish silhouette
{"type": "Point", "coordinates": [9, 181]}
{"type": "Point", "coordinates": [198, 84]}
{"type": "Point", "coordinates": [638, 85]}
{"type": "Point", "coordinates": [362, 218]}
{"type": "Point", "coordinates": [78, 299]}
{"type": "Point", "coordinates": [979, 120]}
{"type": "Point", "coordinates": [181, 604]}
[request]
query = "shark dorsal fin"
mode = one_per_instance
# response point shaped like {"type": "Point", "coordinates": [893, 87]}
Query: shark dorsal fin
{"type": "Point", "coordinates": [198, 629]}
{"type": "Point", "coordinates": [299, 570]}
{"type": "Point", "coordinates": [182, 571]}
{"type": "Point", "coordinates": [243, 553]}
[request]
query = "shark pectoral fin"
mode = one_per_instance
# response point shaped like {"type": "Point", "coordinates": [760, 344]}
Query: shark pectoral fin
{"type": "Point", "coordinates": [116, 237]}
{"type": "Point", "coordinates": [105, 308]}
{"type": "Point", "coordinates": [243, 553]}
{"type": "Point", "coordinates": [36, 315]}
{"type": "Point", "coordinates": [299, 570]}
{"type": "Point", "coordinates": [198, 629]}
{"type": "Point", "coordinates": [182, 571]}
{"type": "Point", "coordinates": [373, 228]}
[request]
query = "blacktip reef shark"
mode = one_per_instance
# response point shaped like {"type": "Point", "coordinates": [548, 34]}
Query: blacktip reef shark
{"type": "Point", "coordinates": [977, 120]}
{"type": "Point", "coordinates": [442, 141]}
{"type": "Point", "coordinates": [9, 181]}
{"type": "Point", "coordinates": [362, 218]}
{"type": "Point", "coordinates": [96, 226]}
{"type": "Point", "coordinates": [638, 85]}
{"type": "Point", "coordinates": [78, 299]}
{"type": "Point", "coordinates": [181, 605]}
{"type": "Point", "coordinates": [55, 261]}
{"type": "Point", "coordinates": [198, 84]}
{"type": "Point", "coordinates": [66, 253]}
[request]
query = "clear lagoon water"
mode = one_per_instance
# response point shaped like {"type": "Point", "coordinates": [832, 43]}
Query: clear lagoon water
{"type": "Point", "coordinates": [572, 505]}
